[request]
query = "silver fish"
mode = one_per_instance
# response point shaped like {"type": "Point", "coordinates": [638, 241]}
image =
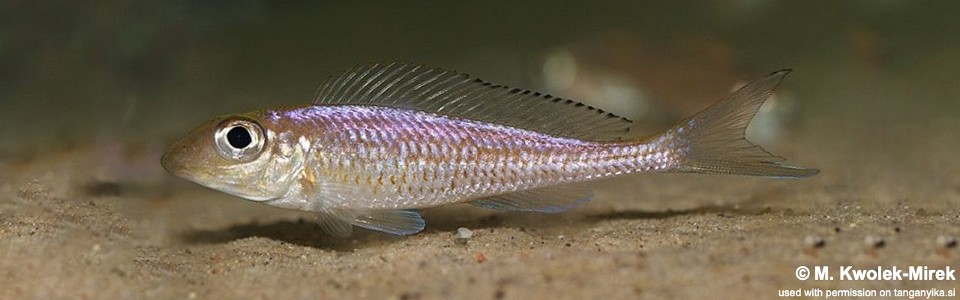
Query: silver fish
{"type": "Point", "coordinates": [381, 141]}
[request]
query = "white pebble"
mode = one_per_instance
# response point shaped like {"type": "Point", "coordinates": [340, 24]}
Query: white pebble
{"type": "Point", "coordinates": [812, 241]}
{"type": "Point", "coordinates": [464, 233]}
{"type": "Point", "coordinates": [874, 241]}
{"type": "Point", "coordinates": [946, 241]}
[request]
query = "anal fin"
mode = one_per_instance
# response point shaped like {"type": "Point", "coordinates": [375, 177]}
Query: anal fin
{"type": "Point", "coordinates": [546, 200]}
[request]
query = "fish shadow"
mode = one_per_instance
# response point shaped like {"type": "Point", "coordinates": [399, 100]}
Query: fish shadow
{"type": "Point", "coordinates": [307, 233]}
{"type": "Point", "coordinates": [442, 224]}
{"type": "Point", "coordinates": [299, 232]}
{"type": "Point", "coordinates": [725, 210]}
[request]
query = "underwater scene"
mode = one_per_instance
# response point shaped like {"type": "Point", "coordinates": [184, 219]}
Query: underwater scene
{"type": "Point", "coordinates": [479, 150]}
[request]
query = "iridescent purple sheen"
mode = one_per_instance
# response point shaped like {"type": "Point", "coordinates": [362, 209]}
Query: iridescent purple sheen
{"type": "Point", "coordinates": [390, 158]}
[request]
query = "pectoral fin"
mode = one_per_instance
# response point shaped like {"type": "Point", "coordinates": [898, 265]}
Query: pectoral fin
{"type": "Point", "coordinates": [340, 221]}
{"type": "Point", "coordinates": [546, 200]}
{"type": "Point", "coordinates": [334, 224]}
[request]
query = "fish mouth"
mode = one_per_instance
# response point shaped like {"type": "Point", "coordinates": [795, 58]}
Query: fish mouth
{"type": "Point", "coordinates": [211, 181]}
{"type": "Point", "coordinates": [173, 165]}
{"type": "Point", "coordinates": [170, 161]}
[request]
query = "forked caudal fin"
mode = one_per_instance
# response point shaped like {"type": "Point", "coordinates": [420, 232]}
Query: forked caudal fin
{"type": "Point", "coordinates": [715, 139]}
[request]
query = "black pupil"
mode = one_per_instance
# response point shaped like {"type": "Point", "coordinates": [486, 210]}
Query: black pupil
{"type": "Point", "coordinates": [239, 137]}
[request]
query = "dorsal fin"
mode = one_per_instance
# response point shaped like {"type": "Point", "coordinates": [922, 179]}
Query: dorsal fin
{"type": "Point", "coordinates": [459, 95]}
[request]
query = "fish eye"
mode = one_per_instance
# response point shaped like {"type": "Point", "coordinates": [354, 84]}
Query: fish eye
{"type": "Point", "coordinates": [239, 139]}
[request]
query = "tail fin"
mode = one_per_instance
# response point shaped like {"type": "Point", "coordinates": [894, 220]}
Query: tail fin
{"type": "Point", "coordinates": [716, 141]}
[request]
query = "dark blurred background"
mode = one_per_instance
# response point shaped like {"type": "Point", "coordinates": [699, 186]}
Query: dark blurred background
{"type": "Point", "coordinates": [92, 92]}
{"type": "Point", "coordinates": [874, 79]}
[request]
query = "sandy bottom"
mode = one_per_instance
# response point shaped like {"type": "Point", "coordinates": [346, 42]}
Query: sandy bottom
{"type": "Point", "coordinates": [66, 232]}
{"type": "Point", "coordinates": [91, 94]}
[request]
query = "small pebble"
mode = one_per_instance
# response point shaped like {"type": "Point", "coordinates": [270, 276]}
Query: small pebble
{"type": "Point", "coordinates": [874, 241]}
{"type": "Point", "coordinates": [463, 235]}
{"type": "Point", "coordinates": [812, 241]}
{"type": "Point", "coordinates": [946, 242]}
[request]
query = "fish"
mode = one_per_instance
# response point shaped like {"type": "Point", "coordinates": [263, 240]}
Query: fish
{"type": "Point", "coordinates": [382, 141]}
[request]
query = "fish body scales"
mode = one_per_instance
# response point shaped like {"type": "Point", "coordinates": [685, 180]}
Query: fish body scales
{"type": "Point", "coordinates": [395, 158]}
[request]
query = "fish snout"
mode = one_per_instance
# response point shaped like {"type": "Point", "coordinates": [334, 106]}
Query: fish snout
{"type": "Point", "coordinates": [173, 159]}
{"type": "Point", "coordinates": [167, 162]}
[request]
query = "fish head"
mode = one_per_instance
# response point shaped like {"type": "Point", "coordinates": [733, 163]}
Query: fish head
{"type": "Point", "coordinates": [238, 154]}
